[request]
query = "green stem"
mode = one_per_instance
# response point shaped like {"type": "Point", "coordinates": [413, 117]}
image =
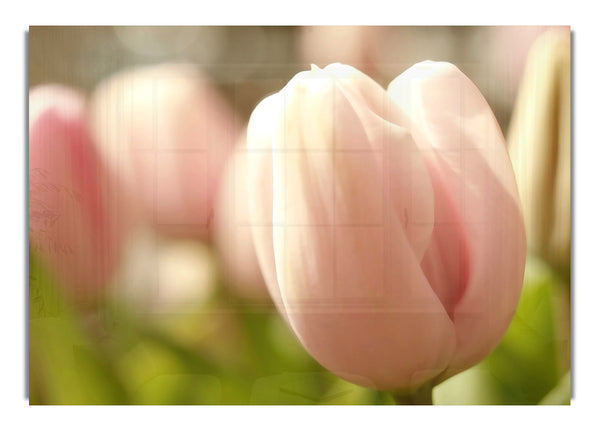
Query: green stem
{"type": "Point", "coordinates": [420, 397]}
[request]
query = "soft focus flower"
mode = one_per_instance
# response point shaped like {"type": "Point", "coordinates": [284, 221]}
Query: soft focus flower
{"type": "Point", "coordinates": [168, 285]}
{"type": "Point", "coordinates": [509, 48]}
{"type": "Point", "coordinates": [389, 234]}
{"type": "Point", "coordinates": [539, 141]}
{"type": "Point", "coordinates": [233, 231]}
{"type": "Point", "coordinates": [166, 275]}
{"type": "Point", "coordinates": [73, 225]}
{"type": "Point", "coordinates": [166, 134]}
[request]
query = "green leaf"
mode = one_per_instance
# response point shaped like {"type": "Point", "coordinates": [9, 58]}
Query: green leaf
{"type": "Point", "coordinates": [65, 365]}
{"type": "Point", "coordinates": [532, 356]}
{"type": "Point", "coordinates": [475, 386]}
{"type": "Point", "coordinates": [561, 394]}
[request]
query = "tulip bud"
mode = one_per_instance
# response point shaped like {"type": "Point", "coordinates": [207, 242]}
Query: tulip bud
{"type": "Point", "coordinates": [72, 222]}
{"type": "Point", "coordinates": [391, 238]}
{"type": "Point", "coordinates": [233, 232]}
{"type": "Point", "coordinates": [540, 146]}
{"type": "Point", "coordinates": [167, 133]}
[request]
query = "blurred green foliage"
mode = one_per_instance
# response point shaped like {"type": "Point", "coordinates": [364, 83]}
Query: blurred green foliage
{"type": "Point", "coordinates": [238, 353]}
{"type": "Point", "coordinates": [532, 363]}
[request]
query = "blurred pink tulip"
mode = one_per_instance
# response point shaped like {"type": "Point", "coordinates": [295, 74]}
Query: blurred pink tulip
{"type": "Point", "coordinates": [72, 223]}
{"type": "Point", "coordinates": [233, 232]}
{"type": "Point", "coordinates": [165, 275]}
{"type": "Point", "coordinates": [166, 133]}
{"type": "Point", "coordinates": [390, 235]}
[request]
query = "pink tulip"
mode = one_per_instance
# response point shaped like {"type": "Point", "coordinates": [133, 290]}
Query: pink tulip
{"type": "Point", "coordinates": [233, 231]}
{"type": "Point", "coordinates": [391, 235]}
{"type": "Point", "coordinates": [72, 222]}
{"type": "Point", "coordinates": [166, 133]}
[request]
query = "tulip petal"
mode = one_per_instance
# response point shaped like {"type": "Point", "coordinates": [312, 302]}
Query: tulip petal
{"type": "Point", "coordinates": [233, 231]}
{"type": "Point", "coordinates": [364, 103]}
{"type": "Point", "coordinates": [259, 173]}
{"type": "Point", "coordinates": [456, 130]}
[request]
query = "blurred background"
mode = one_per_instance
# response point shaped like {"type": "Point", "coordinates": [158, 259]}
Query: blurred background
{"type": "Point", "coordinates": [178, 326]}
{"type": "Point", "coordinates": [249, 63]}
